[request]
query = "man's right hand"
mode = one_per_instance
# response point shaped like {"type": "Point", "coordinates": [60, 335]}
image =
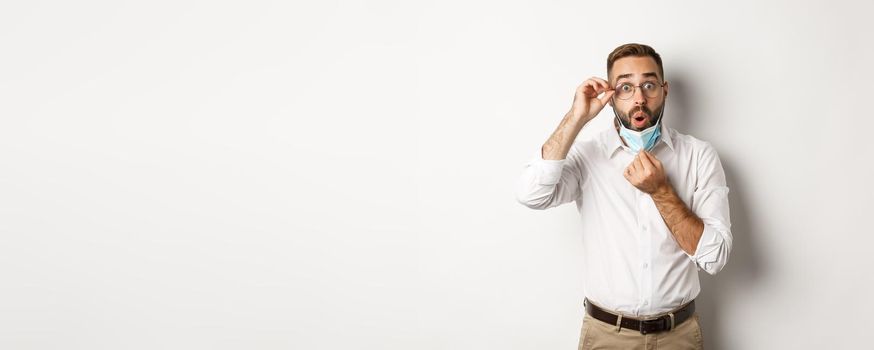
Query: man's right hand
{"type": "Point", "coordinates": [587, 104]}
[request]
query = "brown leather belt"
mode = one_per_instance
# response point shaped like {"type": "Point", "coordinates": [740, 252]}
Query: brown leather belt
{"type": "Point", "coordinates": [651, 325]}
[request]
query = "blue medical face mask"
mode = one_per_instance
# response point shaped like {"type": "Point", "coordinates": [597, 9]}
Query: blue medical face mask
{"type": "Point", "coordinates": [638, 140]}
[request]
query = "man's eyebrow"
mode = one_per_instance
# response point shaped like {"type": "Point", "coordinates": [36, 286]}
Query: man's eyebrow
{"type": "Point", "coordinates": [645, 75]}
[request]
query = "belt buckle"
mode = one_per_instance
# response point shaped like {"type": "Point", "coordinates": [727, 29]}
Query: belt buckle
{"type": "Point", "coordinates": [660, 321]}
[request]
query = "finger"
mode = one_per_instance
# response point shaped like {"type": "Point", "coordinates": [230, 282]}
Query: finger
{"type": "Point", "coordinates": [602, 87]}
{"type": "Point", "coordinates": [645, 162]}
{"type": "Point", "coordinates": [636, 164]}
{"type": "Point", "coordinates": [653, 160]}
{"type": "Point", "coordinates": [603, 83]}
{"type": "Point", "coordinates": [627, 173]}
{"type": "Point", "coordinates": [590, 88]}
{"type": "Point", "coordinates": [583, 88]}
{"type": "Point", "coordinates": [606, 98]}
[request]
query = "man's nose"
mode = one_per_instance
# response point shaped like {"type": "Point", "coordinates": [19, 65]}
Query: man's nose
{"type": "Point", "coordinates": [638, 97]}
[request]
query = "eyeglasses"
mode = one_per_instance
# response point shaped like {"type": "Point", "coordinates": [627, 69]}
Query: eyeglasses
{"type": "Point", "coordinates": [650, 89]}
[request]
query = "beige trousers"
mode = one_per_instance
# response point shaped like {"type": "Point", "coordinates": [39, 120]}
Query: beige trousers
{"type": "Point", "coordinates": [597, 334]}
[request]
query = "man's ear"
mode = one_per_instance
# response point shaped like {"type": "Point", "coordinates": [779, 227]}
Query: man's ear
{"type": "Point", "coordinates": [667, 86]}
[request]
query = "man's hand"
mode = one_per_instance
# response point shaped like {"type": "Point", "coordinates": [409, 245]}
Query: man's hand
{"type": "Point", "coordinates": [587, 104]}
{"type": "Point", "coordinates": [646, 173]}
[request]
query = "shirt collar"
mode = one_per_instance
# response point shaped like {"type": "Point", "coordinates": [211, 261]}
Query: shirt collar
{"type": "Point", "coordinates": [611, 142]}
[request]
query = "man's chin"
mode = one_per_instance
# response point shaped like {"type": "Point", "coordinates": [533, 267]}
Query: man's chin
{"type": "Point", "coordinates": [633, 126]}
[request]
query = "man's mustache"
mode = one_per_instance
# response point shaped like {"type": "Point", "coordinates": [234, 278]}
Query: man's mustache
{"type": "Point", "coordinates": [639, 109]}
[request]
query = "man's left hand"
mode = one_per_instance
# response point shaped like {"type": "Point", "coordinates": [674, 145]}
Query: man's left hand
{"type": "Point", "coordinates": [646, 173]}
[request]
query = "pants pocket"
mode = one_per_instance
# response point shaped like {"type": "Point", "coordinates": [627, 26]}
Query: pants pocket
{"type": "Point", "coordinates": [699, 336]}
{"type": "Point", "coordinates": [585, 334]}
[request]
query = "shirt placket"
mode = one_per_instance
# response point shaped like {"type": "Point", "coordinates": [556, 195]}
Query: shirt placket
{"type": "Point", "coordinates": [646, 287]}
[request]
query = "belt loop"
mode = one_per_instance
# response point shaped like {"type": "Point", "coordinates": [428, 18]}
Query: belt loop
{"type": "Point", "coordinates": [619, 323]}
{"type": "Point", "coordinates": [672, 321]}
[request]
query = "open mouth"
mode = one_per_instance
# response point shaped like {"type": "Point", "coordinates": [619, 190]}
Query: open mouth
{"type": "Point", "coordinates": [639, 118]}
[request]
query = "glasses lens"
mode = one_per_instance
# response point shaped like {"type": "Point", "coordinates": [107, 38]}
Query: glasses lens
{"type": "Point", "coordinates": [625, 91]}
{"type": "Point", "coordinates": [650, 89]}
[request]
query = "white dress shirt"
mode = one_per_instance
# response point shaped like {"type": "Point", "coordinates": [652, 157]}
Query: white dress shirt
{"type": "Point", "coordinates": [633, 264]}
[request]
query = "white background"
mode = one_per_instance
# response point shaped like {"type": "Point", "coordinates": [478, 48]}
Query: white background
{"type": "Point", "coordinates": [339, 175]}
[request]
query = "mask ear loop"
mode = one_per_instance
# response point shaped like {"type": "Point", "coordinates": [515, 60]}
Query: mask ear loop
{"type": "Point", "coordinates": [613, 98]}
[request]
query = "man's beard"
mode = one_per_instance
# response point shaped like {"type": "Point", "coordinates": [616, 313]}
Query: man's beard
{"type": "Point", "coordinates": [650, 117]}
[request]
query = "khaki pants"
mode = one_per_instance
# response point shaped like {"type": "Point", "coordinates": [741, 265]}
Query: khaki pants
{"type": "Point", "coordinates": [597, 334]}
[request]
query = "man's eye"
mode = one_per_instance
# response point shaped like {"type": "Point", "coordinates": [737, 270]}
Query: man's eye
{"type": "Point", "coordinates": [625, 87]}
{"type": "Point", "coordinates": [648, 86]}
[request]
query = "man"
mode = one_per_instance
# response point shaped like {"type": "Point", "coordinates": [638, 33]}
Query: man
{"type": "Point", "coordinates": [653, 202]}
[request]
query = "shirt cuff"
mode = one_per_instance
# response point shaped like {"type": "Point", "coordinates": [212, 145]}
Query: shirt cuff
{"type": "Point", "coordinates": [707, 251]}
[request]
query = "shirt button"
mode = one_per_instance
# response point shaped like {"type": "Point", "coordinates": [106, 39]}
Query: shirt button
{"type": "Point", "coordinates": [645, 265]}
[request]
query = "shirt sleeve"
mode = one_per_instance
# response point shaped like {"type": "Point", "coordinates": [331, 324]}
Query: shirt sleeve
{"type": "Point", "coordinates": [547, 183]}
{"type": "Point", "coordinates": [710, 203]}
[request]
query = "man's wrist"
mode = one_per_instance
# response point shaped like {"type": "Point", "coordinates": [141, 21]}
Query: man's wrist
{"type": "Point", "coordinates": [662, 192]}
{"type": "Point", "coordinates": [579, 116]}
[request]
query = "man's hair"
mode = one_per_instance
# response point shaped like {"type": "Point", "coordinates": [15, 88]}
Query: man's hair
{"type": "Point", "coordinates": [634, 50]}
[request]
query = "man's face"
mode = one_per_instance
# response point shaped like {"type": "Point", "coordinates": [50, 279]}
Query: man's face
{"type": "Point", "coordinates": [639, 111]}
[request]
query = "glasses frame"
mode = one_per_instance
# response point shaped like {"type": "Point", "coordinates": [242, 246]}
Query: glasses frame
{"type": "Point", "coordinates": [638, 86]}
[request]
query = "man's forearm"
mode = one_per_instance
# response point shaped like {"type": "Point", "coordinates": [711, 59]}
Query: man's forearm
{"type": "Point", "coordinates": [683, 223]}
{"type": "Point", "coordinates": [559, 144]}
